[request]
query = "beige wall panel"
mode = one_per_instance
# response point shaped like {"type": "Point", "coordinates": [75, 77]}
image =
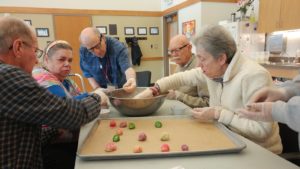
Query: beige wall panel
{"type": "Point", "coordinates": [156, 67]}
{"type": "Point", "coordinates": [40, 21]}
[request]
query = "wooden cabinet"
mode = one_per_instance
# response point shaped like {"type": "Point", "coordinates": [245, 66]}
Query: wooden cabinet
{"type": "Point", "coordinates": [276, 15]}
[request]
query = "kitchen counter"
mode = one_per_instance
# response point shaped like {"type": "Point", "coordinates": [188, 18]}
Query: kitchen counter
{"type": "Point", "coordinates": [253, 156]}
{"type": "Point", "coordinates": [284, 70]}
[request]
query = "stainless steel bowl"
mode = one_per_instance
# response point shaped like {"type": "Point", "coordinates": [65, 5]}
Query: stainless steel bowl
{"type": "Point", "coordinates": [125, 104]}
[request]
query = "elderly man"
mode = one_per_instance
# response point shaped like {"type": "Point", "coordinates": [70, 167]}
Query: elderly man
{"type": "Point", "coordinates": [104, 61]}
{"type": "Point", "coordinates": [231, 80]}
{"type": "Point", "coordinates": [25, 105]}
{"type": "Point", "coordinates": [180, 51]}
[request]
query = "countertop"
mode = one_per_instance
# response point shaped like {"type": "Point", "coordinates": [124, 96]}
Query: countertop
{"type": "Point", "coordinates": [282, 70]}
{"type": "Point", "coordinates": [253, 156]}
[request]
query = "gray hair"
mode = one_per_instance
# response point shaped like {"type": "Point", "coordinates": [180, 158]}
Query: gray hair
{"type": "Point", "coordinates": [215, 39]}
{"type": "Point", "coordinates": [11, 29]}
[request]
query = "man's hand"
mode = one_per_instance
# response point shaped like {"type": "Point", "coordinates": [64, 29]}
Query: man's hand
{"type": "Point", "coordinates": [104, 98]}
{"type": "Point", "coordinates": [130, 85]}
{"type": "Point", "coordinates": [257, 111]}
{"type": "Point", "coordinates": [207, 113]}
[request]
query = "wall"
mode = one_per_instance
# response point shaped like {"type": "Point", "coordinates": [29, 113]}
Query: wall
{"type": "Point", "coordinates": [135, 5]}
{"type": "Point", "coordinates": [205, 13]}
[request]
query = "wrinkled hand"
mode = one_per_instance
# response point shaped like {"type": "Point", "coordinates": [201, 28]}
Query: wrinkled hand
{"type": "Point", "coordinates": [206, 113]}
{"type": "Point", "coordinates": [171, 95]}
{"type": "Point", "coordinates": [257, 111]}
{"type": "Point", "coordinates": [104, 98]}
{"type": "Point", "coordinates": [268, 94]}
{"type": "Point", "coordinates": [147, 93]}
{"type": "Point", "coordinates": [130, 85]}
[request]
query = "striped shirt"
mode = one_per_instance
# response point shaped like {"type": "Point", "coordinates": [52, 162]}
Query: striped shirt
{"type": "Point", "coordinates": [24, 107]}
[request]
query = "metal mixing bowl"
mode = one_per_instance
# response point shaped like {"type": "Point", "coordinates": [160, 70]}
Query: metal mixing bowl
{"type": "Point", "coordinates": [125, 104]}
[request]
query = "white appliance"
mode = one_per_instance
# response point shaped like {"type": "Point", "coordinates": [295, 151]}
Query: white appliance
{"type": "Point", "coordinates": [249, 42]}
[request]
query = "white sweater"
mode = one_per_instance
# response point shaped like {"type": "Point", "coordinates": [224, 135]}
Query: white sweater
{"type": "Point", "coordinates": [240, 81]}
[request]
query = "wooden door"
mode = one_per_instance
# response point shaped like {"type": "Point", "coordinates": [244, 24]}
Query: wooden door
{"type": "Point", "coordinates": [269, 15]}
{"type": "Point", "coordinates": [68, 28]}
{"type": "Point", "coordinates": [290, 14]}
{"type": "Point", "coordinates": [171, 23]}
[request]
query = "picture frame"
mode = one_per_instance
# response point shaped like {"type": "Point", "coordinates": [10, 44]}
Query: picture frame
{"type": "Point", "coordinates": [28, 22]}
{"type": "Point", "coordinates": [142, 30]}
{"type": "Point", "coordinates": [129, 30]}
{"type": "Point", "coordinates": [189, 28]}
{"type": "Point", "coordinates": [154, 31]}
{"type": "Point", "coordinates": [42, 32]}
{"type": "Point", "coordinates": [102, 29]}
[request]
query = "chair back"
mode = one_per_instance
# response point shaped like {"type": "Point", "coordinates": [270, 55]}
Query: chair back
{"type": "Point", "coordinates": [143, 78]}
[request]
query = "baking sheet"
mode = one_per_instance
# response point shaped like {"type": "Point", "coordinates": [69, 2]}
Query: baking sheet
{"type": "Point", "coordinates": [202, 138]}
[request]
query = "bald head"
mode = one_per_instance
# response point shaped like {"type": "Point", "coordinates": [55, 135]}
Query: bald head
{"type": "Point", "coordinates": [89, 36]}
{"type": "Point", "coordinates": [180, 50]}
{"type": "Point", "coordinates": [179, 40]}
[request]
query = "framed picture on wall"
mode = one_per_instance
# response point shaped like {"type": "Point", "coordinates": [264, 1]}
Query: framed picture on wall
{"type": "Point", "coordinates": [28, 22]}
{"type": "Point", "coordinates": [189, 28]}
{"type": "Point", "coordinates": [142, 31]}
{"type": "Point", "coordinates": [102, 29]}
{"type": "Point", "coordinates": [42, 32]}
{"type": "Point", "coordinates": [154, 31]}
{"type": "Point", "coordinates": [129, 30]}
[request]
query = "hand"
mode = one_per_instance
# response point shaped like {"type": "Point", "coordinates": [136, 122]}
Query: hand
{"type": "Point", "coordinates": [257, 111]}
{"type": "Point", "coordinates": [171, 95]}
{"type": "Point", "coordinates": [130, 85]}
{"type": "Point", "coordinates": [268, 94]}
{"type": "Point", "coordinates": [104, 98]}
{"type": "Point", "coordinates": [147, 93]}
{"type": "Point", "coordinates": [206, 113]}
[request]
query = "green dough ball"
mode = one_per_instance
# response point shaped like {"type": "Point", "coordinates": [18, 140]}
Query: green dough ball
{"type": "Point", "coordinates": [131, 126]}
{"type": "Point", "coordinates": [116, 138]}
{"type": "Point", "coordinates": [158, 124]}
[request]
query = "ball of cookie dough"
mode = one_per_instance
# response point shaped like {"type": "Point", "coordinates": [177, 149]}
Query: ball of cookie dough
{"type": "Point", "coordinates": [112, 123]}
{"type": "Point", "coordinates": [119, 132]}
{"type": "Point", "coordinates": [158, 124]}
{"type": "Point", "coordinates": [137, 149]}
{"type": "Point", "coordinates": [131, 126]}
{"type": "Point", "coordinates": [164, 148]}
{"type": "Point", "coordinates": [184, 147]}
{"type": "Point", "coordinates": [142, 137]}
{"type": "Point", "coordinates": [109, 147]}
{"type": "Point", "coordinates": [116, 138]}
{"type": "Point", "coordinates": [165, 137]}
{"type": "Point", "coordinates": [123, 124]}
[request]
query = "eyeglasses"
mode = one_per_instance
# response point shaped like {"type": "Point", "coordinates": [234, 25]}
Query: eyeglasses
{"type": "Point", "coordinates": [97, 46]}
{"type": "Point", "coordinates": [177, 50]}
{"type": "Point", "coordinates": [38, 52]}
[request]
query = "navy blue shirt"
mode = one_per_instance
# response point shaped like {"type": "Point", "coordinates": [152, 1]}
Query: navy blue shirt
{"type": "Point", "coordinates": [109, 69]}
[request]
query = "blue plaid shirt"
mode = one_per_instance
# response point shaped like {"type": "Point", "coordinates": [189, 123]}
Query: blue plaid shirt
{"type": "Point", "coordinates": [95, 67]}
{"type": "Point", "coordinates": [25, 106]}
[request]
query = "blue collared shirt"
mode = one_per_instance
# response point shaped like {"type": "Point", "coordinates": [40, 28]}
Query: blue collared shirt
{"type": "Point", "coordinates": [109, 69]}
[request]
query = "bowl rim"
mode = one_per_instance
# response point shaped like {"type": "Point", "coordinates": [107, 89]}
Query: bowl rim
{"type": "Point", "coordinates": [149, 98]}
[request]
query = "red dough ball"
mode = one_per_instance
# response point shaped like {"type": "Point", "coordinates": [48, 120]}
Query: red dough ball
{"type": "Point", "coordinates": [109, 147]}
{"type": "Point", "coordinates": [123, 124]}
{"type": "Point", "coordinates": [184, 147]}
{"type": "Point", "coordinates": [112, 123]}
{"type": "Point", "coordinates": [137, 149]}
{"type": "Point", "coordinates": [142, 136]}
{"type": "Point", "coordinates": [165, 148]}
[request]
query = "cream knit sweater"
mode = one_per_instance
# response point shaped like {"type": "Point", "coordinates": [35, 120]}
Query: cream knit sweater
{"type": "Point", "coordinates": [240, 81]}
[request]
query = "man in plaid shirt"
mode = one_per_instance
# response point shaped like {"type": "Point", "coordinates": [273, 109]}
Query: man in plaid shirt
{"type": "Point", "coordinates": [24, 105]}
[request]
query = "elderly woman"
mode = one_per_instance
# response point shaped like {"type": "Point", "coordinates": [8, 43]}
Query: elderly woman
{"type": "Point", "coordinates": [231, 80]}
{"type": "Point", "coordinates": [53, 75]}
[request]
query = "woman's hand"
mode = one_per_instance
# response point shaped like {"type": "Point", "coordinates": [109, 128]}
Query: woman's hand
{"type": "Point", "coordinates": [130, 85]}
